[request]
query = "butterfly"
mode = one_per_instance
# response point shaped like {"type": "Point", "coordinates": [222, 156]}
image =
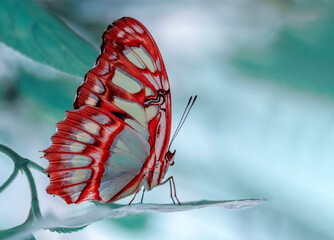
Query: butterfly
{"type": "Point", "coordinates": [116, 139]}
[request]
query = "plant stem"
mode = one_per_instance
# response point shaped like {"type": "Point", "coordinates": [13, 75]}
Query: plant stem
{"type": "Point", "coordinates": [34, 198]}
{"type": "Point", "coordinates": [10, 153]}
{"type": "Point", "coordinates": [10, 179]}
{"type": "Point", "coordinates": [36, 166]}
{"type": "Point", "coordinates": [35, 213]}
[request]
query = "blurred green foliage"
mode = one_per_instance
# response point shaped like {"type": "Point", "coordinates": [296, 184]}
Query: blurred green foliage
{"type": "Point", "coordinates": [28, 28]}
{"type": "Point", "coordinates": [52, 96]}
{"type": "Point", "coordinates": [299, 58]}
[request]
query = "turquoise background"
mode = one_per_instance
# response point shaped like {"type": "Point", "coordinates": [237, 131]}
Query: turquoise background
{"type": "Point", "coordinates": [263, 125]}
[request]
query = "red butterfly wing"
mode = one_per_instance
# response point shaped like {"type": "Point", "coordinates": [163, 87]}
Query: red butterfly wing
{"type": "Point", "coordinates": [120, 127]}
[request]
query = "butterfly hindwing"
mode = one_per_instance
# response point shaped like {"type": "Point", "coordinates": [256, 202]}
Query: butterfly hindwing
{"type": "Point", "coordinates": [92, 148]}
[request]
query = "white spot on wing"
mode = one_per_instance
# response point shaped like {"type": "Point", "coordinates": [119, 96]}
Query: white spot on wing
{"type": "Point", "coordinates": [84, 137]}
{"type": "Point", "coordinates": [134, 58]}
{"type": "Point", "coordinates": [77, 147]}
{"type": "Point", "coordinates": [138, 29]}
{"type": "Point", "coordinates": [129, 30]}
{"type": "Point", "coordinates": [78, 161]}
{"type": "Point", "coordinates": [145, 57]}
{"type": "Point", "coordinates": [132, 108]}
{"type": "Point", "coordinates": [158, 64]}
{"type": "Point", "coordinates": [91, 100]}
{"type": "Point", "coordinates": [92, 128]}
{"type": "Point", "coordinates": [102, 119]}
{"type": "Point", "coordinates": [148, 92]}
{"type": "Point", "coordinates": [120, 34]}
{"type": "Point", "coordinates": [98, 87]}
{"type": "Point", "coordinates": [151, 112]}
{"type": "Point", "coordinates": [126, 81]}
{"type": "Point", "coordinates": [80, 175]}
{"type": "Point", "coordinates": [165, 83]}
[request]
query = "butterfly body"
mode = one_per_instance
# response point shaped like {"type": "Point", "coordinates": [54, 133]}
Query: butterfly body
{"type": "Point", "coordinates": [116, 138]}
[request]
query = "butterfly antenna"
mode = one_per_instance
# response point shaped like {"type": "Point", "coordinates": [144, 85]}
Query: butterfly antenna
{"type": "Point", "coordinates": [184, 112]}
{"type": "Point", "coordinates": [183, 118]}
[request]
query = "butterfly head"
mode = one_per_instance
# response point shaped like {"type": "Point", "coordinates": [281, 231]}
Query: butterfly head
{"type": "Point", "coordinates": [170, 157]}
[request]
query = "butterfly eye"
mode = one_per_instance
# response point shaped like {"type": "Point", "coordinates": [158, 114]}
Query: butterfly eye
{"type": "Point", "coordinates": [170, 157]}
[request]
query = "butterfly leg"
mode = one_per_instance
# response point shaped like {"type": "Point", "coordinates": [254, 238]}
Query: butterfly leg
{"type": "Point", "coordinates": [171, 181]}
{"type": "Point", "coordinates": [171, 192]}
{"type": "Point", "coordinates": [142, 196]}
{"type": "Point", "coordinates": [134, 197]}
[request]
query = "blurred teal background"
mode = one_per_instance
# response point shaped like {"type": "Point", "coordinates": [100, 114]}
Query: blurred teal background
{"type": "Point", "coordinates": [263, 125]}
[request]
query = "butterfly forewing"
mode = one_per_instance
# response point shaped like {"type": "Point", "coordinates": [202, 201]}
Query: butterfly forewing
{"type": "Point", "coordinates": [120, 126]}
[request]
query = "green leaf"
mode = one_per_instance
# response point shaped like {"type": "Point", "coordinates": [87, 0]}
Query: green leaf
{"type": "Point", "coordinates": [66, 230]}
{"type": "Point", "coordinates": [101, 211]}
{"type": "Point", "coordinates": [114, 210]}
{"type": "Point", "coordinates": [31, 30]}
{"type": "Point", "coordinates": [53, 96]}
